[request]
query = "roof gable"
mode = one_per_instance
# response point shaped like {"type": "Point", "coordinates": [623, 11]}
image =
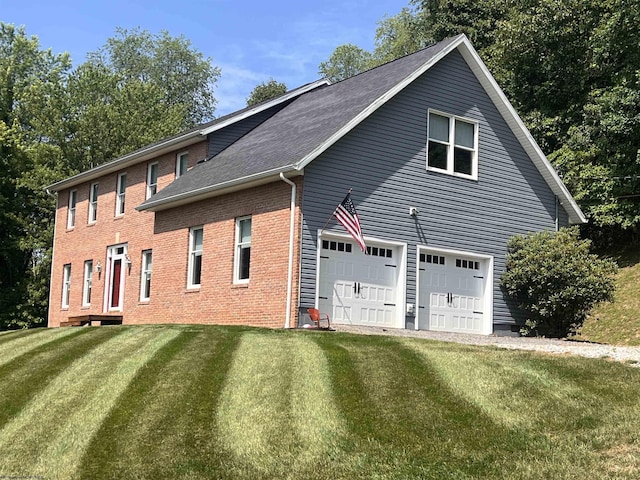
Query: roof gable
{"type": "Point", "coordinates": [310, 124]}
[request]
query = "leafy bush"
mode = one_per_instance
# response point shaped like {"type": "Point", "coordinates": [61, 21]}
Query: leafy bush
{"type": "Point", "coordinates": [555, 280]}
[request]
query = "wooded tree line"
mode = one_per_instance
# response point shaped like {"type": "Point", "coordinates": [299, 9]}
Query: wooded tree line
{"type": "Point", "coordinates": [571, 68]}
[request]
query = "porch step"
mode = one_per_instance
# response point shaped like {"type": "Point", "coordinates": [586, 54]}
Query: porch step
{"type": "Point", "coordinates": [81, 320]}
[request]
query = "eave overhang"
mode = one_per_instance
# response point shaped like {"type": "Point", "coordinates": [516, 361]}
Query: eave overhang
{"type": "Point", "coordinates": [218, 189]}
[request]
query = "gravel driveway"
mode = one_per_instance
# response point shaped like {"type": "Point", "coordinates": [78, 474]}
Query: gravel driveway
{"type": "Point", "coordinates": [593, 350]}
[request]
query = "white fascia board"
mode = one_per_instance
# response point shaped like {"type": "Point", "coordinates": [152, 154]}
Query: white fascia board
{"type": "Point", "coordinates": [132, 158]}
{"type": "Point", "coordinates": [264, 106]}
{"type": "Point", "coordinates": [521, 132]}
{"type": "Point", "coordinates": [378, 103]}
{"type": "Point", "coordinates": [209, 191]}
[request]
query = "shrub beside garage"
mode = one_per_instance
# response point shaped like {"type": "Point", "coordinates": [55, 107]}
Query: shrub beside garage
{"type": "Point", "coordinates": [556, 280]}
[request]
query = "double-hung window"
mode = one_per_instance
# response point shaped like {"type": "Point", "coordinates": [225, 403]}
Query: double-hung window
{"type": "Point", "coordinates": [66, 285]}
{"type": "Point", "coordinates": [145, 277]}
{"type": "Point", "coordinates": [121, 189]}
{"type": "Point", "coordinates": [71, 216]}
{"type": "Point", "coordinates": [242, 260]}
{"type": "Point", "coordinates": [194, 272]}
{"type": "Point", "coordinates": [93, 203]}
{"type": "Point", "coordinates": [453, 145]}
{"type": "Point", "coordinates": [152, 179]}
{"type": "Point", "coordinates": [86, 288]}
{"type": "Point", "coordinates": [182, 164]}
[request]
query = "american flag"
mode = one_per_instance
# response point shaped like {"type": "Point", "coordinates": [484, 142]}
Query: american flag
{"type": "Point", "coordinates": [346, 214]}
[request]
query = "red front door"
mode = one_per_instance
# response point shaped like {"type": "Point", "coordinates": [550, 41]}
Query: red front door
{"type": "Point", "coordinates": [115, 283]}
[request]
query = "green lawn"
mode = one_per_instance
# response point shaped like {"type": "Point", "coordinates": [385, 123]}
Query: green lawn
{"type": "Point", "coordinates": [191, 402]}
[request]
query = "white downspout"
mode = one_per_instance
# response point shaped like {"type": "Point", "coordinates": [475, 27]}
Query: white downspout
{"type": "Point", "coordinates": [287, 322]}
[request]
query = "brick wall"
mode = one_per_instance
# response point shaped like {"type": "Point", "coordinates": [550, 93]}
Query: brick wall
{"type": "Point", "coordinates": [260, 302]}
{"type": "Point", "coordinates": [90, 241]}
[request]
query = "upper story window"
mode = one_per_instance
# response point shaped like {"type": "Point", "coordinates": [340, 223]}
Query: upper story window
{"type": "Point", "coordinates": [194, 272]}
{"type": "Point", "coordinates": [71, 214]}
{"type": "Point", "coordinates": [453, 145]}
{"type": "Point", "coordinates": [145, 277]}
{"type": "Point", "coordinates": [121, 188]}
{"type": "Point", "coordinates": [243, 250]}
{"type": "Point", "coordinates": [66, 285]}
{"type": "Point", "coordinates": [88, 278]}
{"type": "Point", "coordinates": [182, 164]}
{"type": "Point", "coordinates": [152, 179]}
{"type": "Point", "coordinates": [93, 203]}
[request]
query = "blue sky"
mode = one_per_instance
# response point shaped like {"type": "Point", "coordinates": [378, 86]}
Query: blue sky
{"type": "Point", "coordinates": [251, 41]}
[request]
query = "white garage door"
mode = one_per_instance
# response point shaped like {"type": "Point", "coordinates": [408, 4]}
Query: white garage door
{"type": "Point", "coordinates": [451, 293]}
{"type": "Point", "coordinates": [358, 289]}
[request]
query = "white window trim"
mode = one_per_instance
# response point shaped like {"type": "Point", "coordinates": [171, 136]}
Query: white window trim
{"type": "Point", "coordinates": [87, 284]}
{"type": "Point", "coordinates": [121, 195]}
{"type": "Point", "coordinates": [71, 210]}
{"type": "Point", "coordinates": [192, 254]}
{"type": "Point", "coordinates": [238, 246]}
{"type": "Point", "coordinates": [178, 159]}
{"type": "Point", "coordinates": [146, 269]}
{"type": "Point", "coordinates": [152, 188]}
{"type": "Point", "coordinates": [93, 203]}
{"type": "Point", "coordinates": [66, 285]}
{"type": "Point", "coordinates": [451, 145]}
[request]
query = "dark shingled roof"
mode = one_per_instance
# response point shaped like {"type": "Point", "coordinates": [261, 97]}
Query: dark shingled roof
{"type": "Point", "coordinates": [297, 130]}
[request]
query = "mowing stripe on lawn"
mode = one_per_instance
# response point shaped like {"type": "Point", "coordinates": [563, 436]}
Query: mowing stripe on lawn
{"type": "Point", "coordinates": [13, 348]}
{"type": "Point", "coordinates": [29, 373]}
{"type": "Point", "coordinates": [50, 434]}
{"type": "Point", "coordinates": [11, 335]}
{"type": "Point", "coordinates": [552, 404]}
{"type": "Point", "coordinates": [486, 377]}
{"type": "Point", "coordinates": [172, 435]}
{"type": "Point", "coordinates": [276, 412]}
{"type": "Point", "coordinates": [426, 431]}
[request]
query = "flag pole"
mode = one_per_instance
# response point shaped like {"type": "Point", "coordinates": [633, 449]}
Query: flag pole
{"type": "Point", "coordinates": [332, 214]}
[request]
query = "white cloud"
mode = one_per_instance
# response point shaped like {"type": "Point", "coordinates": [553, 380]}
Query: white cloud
{"type": "Point", "coordinates": [234, 86]}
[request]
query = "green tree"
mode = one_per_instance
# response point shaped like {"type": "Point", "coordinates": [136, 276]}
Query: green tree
{"type": "Point", "coordinates": [133, 91]}
{"type": "Point", "coordinates": [435, 20]}
{"type": "Point", "coordinates": [345, 61]}
{"type": "Point", "coordinates": [555, 280]}
{"type": "Point", "coordinates": [28, 77]}
{"type": "Point", "coordinates": [266, 91]}
{"type": "Point", "coordinates": [399, 35]}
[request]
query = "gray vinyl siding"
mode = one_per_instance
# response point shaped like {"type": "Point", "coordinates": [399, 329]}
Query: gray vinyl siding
{"type": "Point", "coordinates": [221, 139]}
{"type": "Point", "coordinates": [384, 161]}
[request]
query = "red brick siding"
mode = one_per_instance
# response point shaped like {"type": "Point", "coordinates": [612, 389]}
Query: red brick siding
{"type": "Point", "coordinates": [89, 241]}
{"type": "Point", "coordinates": [261, 302]}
